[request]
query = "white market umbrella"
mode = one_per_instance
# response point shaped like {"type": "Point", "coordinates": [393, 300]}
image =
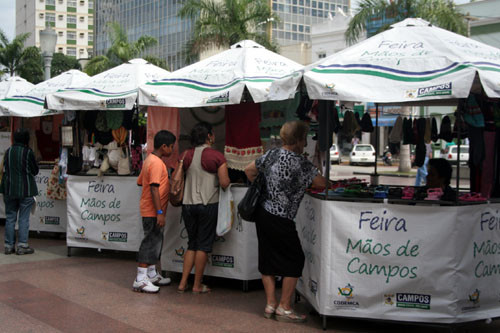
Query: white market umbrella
{"type": "Point", "coordinates": [31, 103]}
{"type": "Point", "coordinates": [14, 85]}
{"type": "Point", "coordinates": [220, 79]}
{"type": "Point", "coordinates": [114, 89]}
{"type": "Point", "coordinates": [410, 63]}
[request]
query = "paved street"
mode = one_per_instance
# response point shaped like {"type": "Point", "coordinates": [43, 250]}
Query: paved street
{"type": "Point", "coordinates": [91, 292]}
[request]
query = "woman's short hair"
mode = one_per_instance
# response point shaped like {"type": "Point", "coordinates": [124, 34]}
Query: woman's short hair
{"type": "Point", "coordinates": [293, 131]}
{"type": "Point", "coordinates": [199, 133]}
{"type": "Point", "coordinates": [22, 136]}
{"type": "Point", "coordinates": [443, 169]}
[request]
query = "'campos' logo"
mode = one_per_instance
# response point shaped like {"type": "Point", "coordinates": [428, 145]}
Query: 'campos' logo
{"type": "Point", "coordinates": [414, 301]}
{"type": "Point", "coordinates": [114, 236]}
{"type": "Point", "coordinates": [115, 103]}
{"type": "Point", "coordinates": [222, 261]}
{"type": "Point", "coordinates": [54, 220]}
{"type": "Point", "coordinates": [224, 97]}
{"type": "Point", "coordinates": [437, 90]}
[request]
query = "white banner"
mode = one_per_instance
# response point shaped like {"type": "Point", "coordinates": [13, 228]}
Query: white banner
{"type": "Point", "coordinates": [395, 262]}
{"type": "Point", "coordinates": [50, 215]}
{"type": "Point", "coordinates": [104, 213]}
{"type": "Point", "coordinates": [234, 255]}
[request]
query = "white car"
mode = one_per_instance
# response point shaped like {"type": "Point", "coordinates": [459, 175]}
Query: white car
{"type": "Point", "coordinates": [335, 155]}
{"type": "Point", "coordinates": [362, 153]}
{"type": "Point", "coordinates": [451, 156]}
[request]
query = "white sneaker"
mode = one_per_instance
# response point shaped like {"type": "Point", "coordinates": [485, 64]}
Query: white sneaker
{"type": "Point", "coordinates": [159, 280]}
{"type": "Point", "coordinates": [145, 286]}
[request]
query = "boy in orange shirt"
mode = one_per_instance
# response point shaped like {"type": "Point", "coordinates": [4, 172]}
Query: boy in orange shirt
{"type": "Point", "coordinates": [153, 204]}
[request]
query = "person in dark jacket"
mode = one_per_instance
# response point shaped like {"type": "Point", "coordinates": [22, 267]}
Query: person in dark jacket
{"type": "Point", "coordinates": [18, 187]}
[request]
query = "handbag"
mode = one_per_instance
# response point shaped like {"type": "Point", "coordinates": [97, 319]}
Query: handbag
{"type": "Point", "coordinates": [247, 205]}
{"type": "Point", "coordinates": [55, 190]}
{"type": "Point", "coordinates": [176, 192]}
{"type": "Point", "coordinates": [124, 163]}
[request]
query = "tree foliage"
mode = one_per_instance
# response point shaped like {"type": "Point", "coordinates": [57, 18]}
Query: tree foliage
{"type": "Point", "coordinates": [32, 68]}
{"type": "Point", "coordinates": [13, 54]}
{"type": "Point", "coordinates": [223, 23]}
{"type": "Point", "coordinates": [62, 63]}
{"type": "Point", "coordinates": [121, 51]}
{"type": "Point", "coordinates": [442, 13]}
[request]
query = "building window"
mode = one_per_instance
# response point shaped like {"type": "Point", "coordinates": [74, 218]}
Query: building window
{"type": "Point", "coordinates": [82, 19]}
{"type": "Point", "coordinates": [41, 15]}
{"type": "Point", "coordinates": [81, 51]}
{"type": "Point", "coordinates": [61, 2]}
{"type": "Point", "coordinates": [71, 35]}
{"type": "Point", "coordinates": [90, 52]}
{"type": "Point", "coordinates": [82, 35]}
{"type": "Point", "coordinates": [50, 2]}
{"type": "Point", "coordinates": [60, 17]}
{"type": "Point", "coordinates": [71, 3]}
{"type": "Point", "coordinates": [60, 50]}
{"type": "Point", "coordinates": [82, 3]}
{"type": "Point", "coordinates": [71, 19]}
{"type": "Point", "coordinates": [91, 37]}
{"type": "Point", "coordinates": [71, 51]}
{"type": "Point", "coordinates": [60, 33]}
{"type": "Point", "coordinates": [50, 17]}
{"type": "Point", "coordinates": [91, 4]}
{"type": "Point", "coordinates": [321, 55]}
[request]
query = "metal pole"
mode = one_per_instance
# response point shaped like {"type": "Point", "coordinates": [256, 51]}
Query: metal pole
{"type": "Point", "coordinates": [458, 152]}
{"type": "Point", "coordinates": [327, 157]}
{"type": "Point", "coordinates": [374, 178]}
{"type": "Point", "coordinates": [47, 62]}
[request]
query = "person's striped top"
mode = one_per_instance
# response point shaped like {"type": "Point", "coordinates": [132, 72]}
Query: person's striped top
{"type": "Point", "coordinates": [20, 167]}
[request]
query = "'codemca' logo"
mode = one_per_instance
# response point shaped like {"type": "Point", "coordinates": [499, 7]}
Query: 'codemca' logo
{"type": "Point", "coordinates": [222, 261]}
{"type": "Point", "coordinates": [347, 300]}
{"type": "Point", "coordinates": [473, 301]}
{"type": "Point", "coordinates": [80, 234]}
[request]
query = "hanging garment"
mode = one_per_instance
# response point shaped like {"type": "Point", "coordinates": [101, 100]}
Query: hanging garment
{"type": "Point", "coordinates": [445, 130]}
{"type": "Point", "coordinates": [304, 107]}
{"type": "Point", "coordinates": [415, 138]}
{"type": "Point", "coordinates": [397, 131]}
{"type": "Point", "coordinates": [487, 176]}
{"type": "Point", "coordinates": [476, 146]}
{"type": "Point", "coordinates": [162, 118]}
{"type": "Point", "coordinates": [350, 125]}
{"type": "Point", "coordinates": [434, 130]}
{"type": "Point", "coordinates": [366, 123]}
{"type": "Point", "coordinates": [326, 124]}
{"type": "Point", "coordinates": [471, 111]}
{"type": "Point", "coordinates": [243, 143]}
{"type": "Point", "coordinates": [428, 128]}
{"type": "Point", "coordinates": [407, 131]}
{"type": "Point", "coordinates": [356, 116]}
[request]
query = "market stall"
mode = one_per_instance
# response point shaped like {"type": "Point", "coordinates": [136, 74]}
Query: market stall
{"type": "Point", "coordinates": [105, 137]}
{"type": "Point", "coordinates": [26, 109]}
{"type": "Point", "coordinates": [11, 87]}
{"type": "Point", "coordinates": [410, 256]}
{"type": "Point", "coordinates": [238, 79]}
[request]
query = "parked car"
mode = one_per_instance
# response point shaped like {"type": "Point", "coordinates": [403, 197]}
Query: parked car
{"type": "Point", "coordinates": [335, 156]}
{"type": "Point", "coordinates": [362, 153]}
{"type": "Point", "coordinates": [452, 154]}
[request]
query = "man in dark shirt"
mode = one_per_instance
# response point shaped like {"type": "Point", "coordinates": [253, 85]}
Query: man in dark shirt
{"type": "Point", "coordinates": [18, 187]}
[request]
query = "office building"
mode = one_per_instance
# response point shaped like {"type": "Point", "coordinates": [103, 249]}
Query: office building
{"type": "Point", "coordinates": [73, 20]}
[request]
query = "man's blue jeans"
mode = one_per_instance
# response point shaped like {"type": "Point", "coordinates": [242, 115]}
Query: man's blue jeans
{"type": "Point", "coordinates": [422, 173]}
{"type": "Point", "coordinates": [13, 206]}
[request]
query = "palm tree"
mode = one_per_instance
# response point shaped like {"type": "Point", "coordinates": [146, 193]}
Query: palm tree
{"type": "Point", "coordinates": [12, 53]}
{"type": "Point", "coordinates": [442, 13]}
{"type": "Point", "coordinates": [226, 22]}
{"type": "Point", "coordinates": [121, 51]}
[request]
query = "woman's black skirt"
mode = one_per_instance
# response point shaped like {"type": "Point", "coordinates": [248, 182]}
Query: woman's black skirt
{"type": "Point", "coordinates": [280, 251]}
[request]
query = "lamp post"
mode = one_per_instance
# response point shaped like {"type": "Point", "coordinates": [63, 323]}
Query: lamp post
{"type": "Point", "coordinates": [48, 40]}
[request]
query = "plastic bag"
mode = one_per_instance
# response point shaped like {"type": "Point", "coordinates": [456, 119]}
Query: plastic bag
{"type": "Point", "coordinates": [226, 215]}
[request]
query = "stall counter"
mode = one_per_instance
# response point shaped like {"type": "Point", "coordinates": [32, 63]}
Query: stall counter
{"type": "Point", "coordinates": [398, 262]}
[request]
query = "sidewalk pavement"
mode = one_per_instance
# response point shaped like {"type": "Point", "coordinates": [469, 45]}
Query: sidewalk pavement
{"type": "Point", "coordinates": [91, 292]}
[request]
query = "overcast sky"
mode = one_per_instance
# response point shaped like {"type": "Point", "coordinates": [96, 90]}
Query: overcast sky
{"type": "Point", "coordinates": [8, 15]}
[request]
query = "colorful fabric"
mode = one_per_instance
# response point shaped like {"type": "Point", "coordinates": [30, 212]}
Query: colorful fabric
{"type": "Point", "coordinates": [243, 143]}
{"type": "Point", "coordinates": [20, 167]}
{"type": "Point", "coordinates": [154, 171]}
{"type": "Point", "coordinates": [114, 119]}
{"type": "Point", "coordinates": [161, 118]}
